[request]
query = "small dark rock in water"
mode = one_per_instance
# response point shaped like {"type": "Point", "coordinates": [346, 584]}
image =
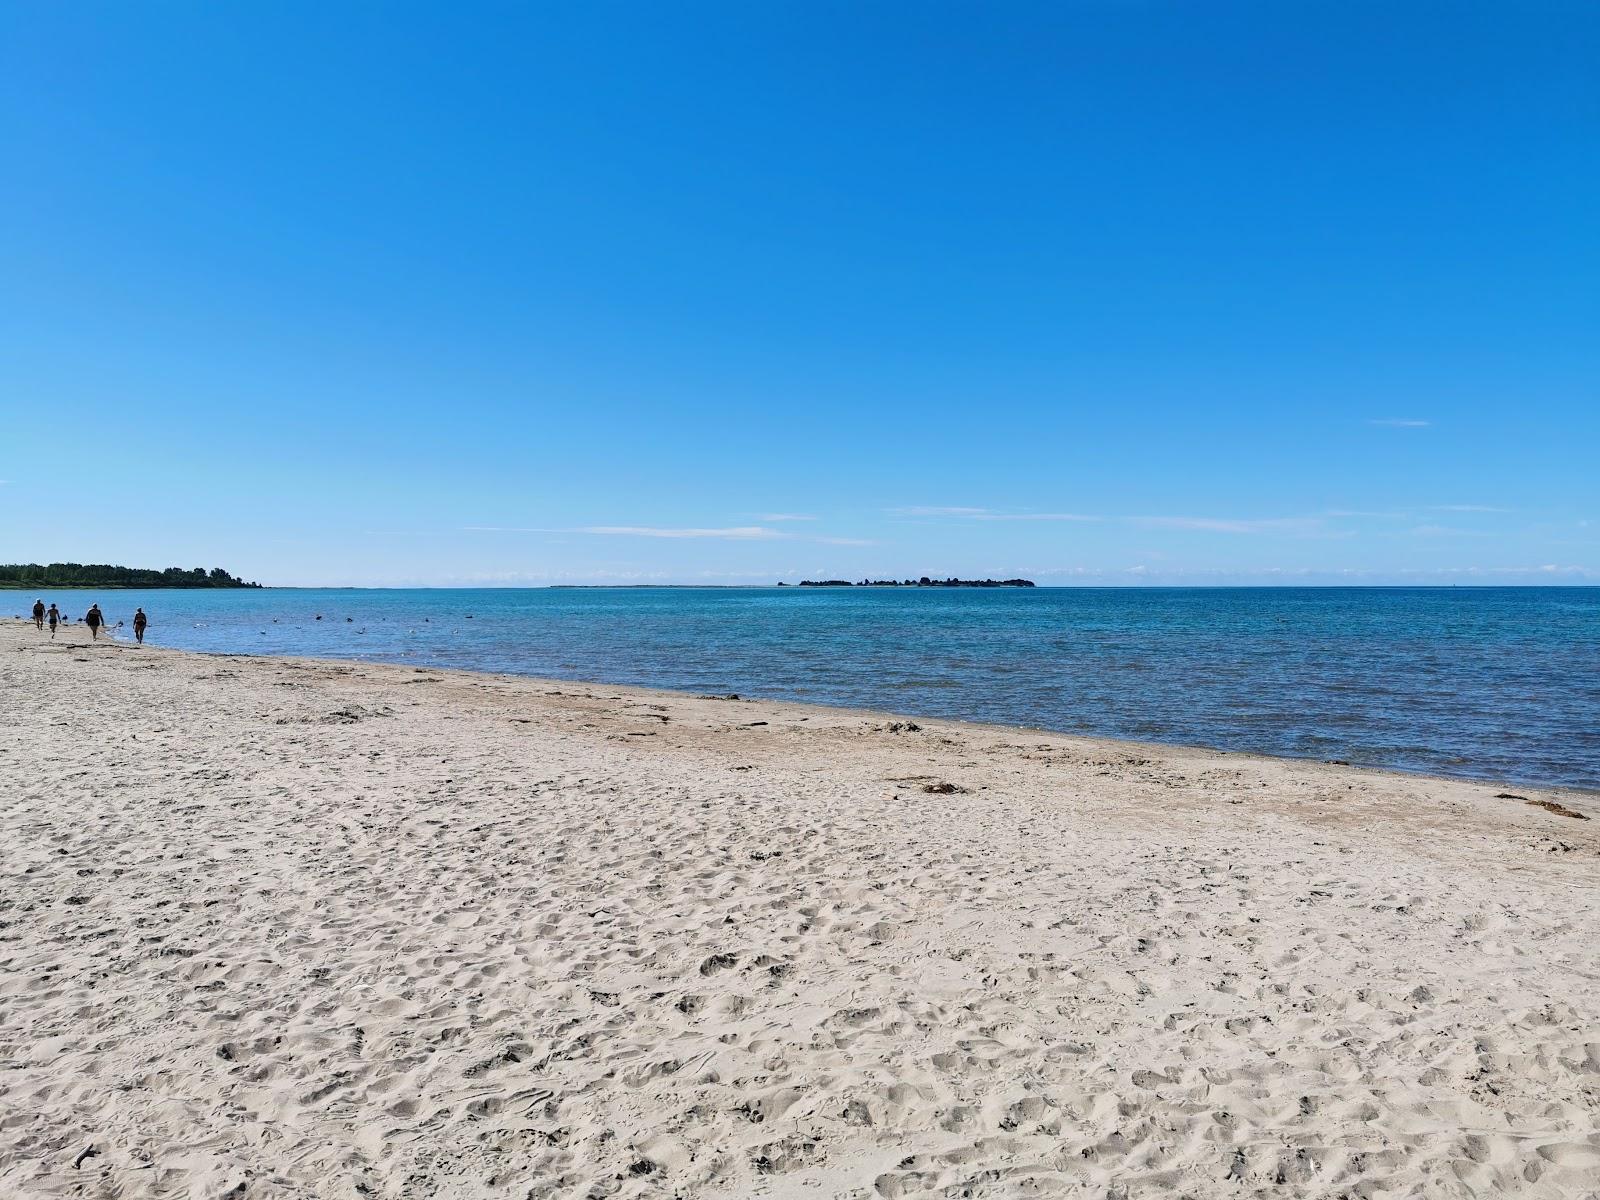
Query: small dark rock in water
{"type": "Point", "coordinates": [469, 616]}
{"type": "Point", "coordinates": [349, 619]}
{"type": "Point", "coordinates": [943, 789]}
{"type": "Point", "coordinates": [319, 616]}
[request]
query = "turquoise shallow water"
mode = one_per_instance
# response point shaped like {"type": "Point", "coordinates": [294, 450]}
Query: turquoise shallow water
{"type": "Point", "coordinates": [1496, 683]}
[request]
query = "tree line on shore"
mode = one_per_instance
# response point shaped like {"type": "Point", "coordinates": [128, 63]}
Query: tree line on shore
{"type": "Point", "coordinates": [73, 575]}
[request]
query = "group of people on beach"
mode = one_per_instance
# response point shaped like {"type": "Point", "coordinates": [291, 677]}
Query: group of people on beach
{"type": "Point", "coordinates": [94, 619]}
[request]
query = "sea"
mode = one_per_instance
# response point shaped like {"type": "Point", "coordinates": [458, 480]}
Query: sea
{"type": "Point", "coordinates": [1488, 683]}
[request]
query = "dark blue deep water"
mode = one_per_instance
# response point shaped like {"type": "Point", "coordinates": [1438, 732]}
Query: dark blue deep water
{"type": "Point", "coordinates": [1497, 683]}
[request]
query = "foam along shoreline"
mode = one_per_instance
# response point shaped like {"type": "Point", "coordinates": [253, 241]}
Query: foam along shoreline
{"type": "Point", "coordinates": [300, 927]}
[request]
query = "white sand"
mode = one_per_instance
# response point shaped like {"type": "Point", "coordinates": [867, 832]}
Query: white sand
{"type": "Point", "coordinates": [282, 928]}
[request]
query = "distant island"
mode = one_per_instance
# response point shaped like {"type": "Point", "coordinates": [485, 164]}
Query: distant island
{"type": "Point", "coordinates": [923, 582]}
{"type": "Point", "coordinates": [102, 575]}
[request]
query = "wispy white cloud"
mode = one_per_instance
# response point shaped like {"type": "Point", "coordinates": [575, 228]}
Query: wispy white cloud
{"type": "Point", "coordinates": [994, 516]}
{"type": "Point", "coordinates": [984, 514]}
{"type": "Point", "coordinates": [1403, 515]}
{"type": "Point", "coordinates": [937, 510]}
{"type": "Point", "coordinates": [1445, 531]}
{"type": "Point", "coordinates": [737, 533]}
{"type": "Point", "coordinates": [1547, 569]}
{"type": "Point", "coordinates": [1228, 525]}
{"type": "Point", "coordinates": [1400, 422]}
{"type": "Point", "coordinates": [1290, 525]}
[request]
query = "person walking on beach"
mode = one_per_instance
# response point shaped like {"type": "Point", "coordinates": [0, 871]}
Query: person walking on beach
{"type": "Point", "coordinates": [139, 622]}
{"type": "Point", "coordinates": [38, 614]}
{"type": "Point", "coordinates": [93, 619]}
{"type": "Point", "coordinates": [54, 615]}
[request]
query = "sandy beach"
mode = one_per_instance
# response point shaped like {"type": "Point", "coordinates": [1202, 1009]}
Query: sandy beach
{"type": "Point", "coordinates": [294, 928]}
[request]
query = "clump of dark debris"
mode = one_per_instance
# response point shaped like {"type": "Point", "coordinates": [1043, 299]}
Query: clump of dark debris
{"type": "Point", "coordinates": [1560, 810]}
{"type": "Point", "coordinates": [1550, 806]}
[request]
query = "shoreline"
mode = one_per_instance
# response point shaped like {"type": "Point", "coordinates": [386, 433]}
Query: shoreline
{"type": "Point", "coordinates": [284, 926]}
{"type": "Point", "coordinates": [1088, 740]}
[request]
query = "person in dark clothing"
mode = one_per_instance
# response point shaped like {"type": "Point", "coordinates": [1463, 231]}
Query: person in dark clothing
{"type": "Point", "coordinates": [38, 613]}
{"type": "Point", "coordinates": [139, 622]}
{"type": "Point", "coordinates": [54, 615]}
{"type": "Point", "coordinates": [93, 619]}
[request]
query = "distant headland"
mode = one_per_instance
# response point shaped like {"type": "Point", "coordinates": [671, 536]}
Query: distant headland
{"type": "Point", "coordinates": [923, 582]}
{"type": "Point", "coordinates": [102, 575]}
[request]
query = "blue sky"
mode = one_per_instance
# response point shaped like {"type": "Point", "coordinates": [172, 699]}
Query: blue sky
{"type": "Point", "coordinates": [1107, 292]}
